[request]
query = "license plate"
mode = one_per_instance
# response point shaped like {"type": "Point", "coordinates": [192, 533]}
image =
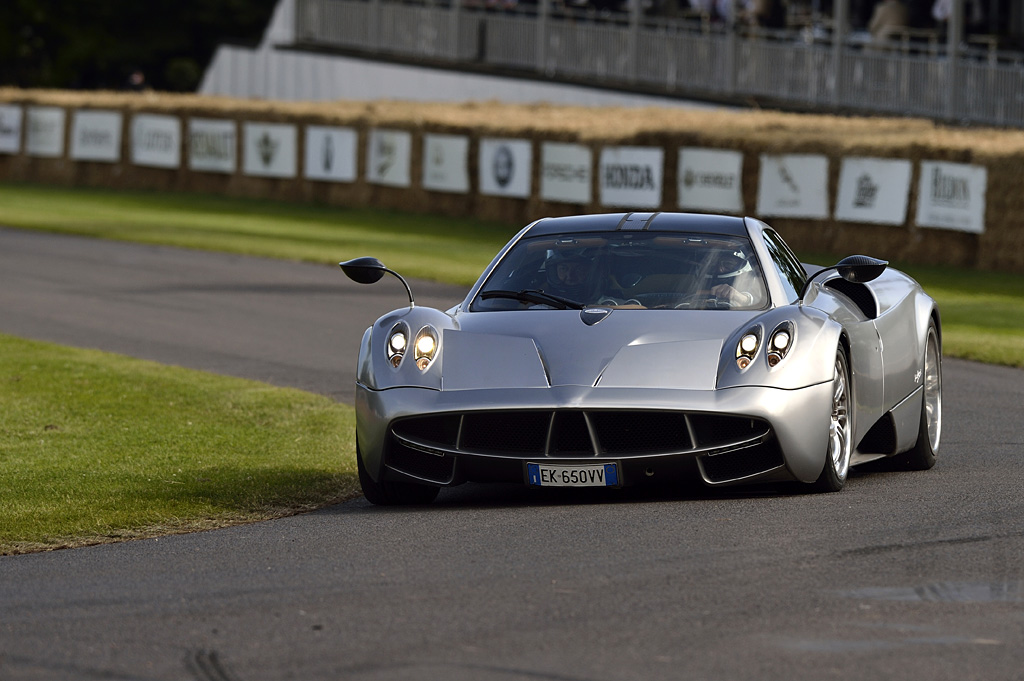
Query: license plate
{"type": "Point", "coordinates": [580, 475]}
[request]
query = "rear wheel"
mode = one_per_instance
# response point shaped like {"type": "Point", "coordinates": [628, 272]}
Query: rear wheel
{"type": "Point", "coordinates": [840, 429]}
{"type": "Point", "coordinates": [922, 456]}
{"type": "Point", "coordinates": [386, 493]}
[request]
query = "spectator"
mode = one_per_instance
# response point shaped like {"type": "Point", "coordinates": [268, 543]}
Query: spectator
{"type": "Point", "coordinates": [767, 13]}
{"type": "Point", "coordinates": [888, 18]}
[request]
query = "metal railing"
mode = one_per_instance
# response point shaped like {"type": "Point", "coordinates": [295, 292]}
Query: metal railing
{"type": "Point", "coordinates": [679, 56]}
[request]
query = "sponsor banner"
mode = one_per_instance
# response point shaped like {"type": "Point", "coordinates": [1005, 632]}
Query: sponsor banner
{"type": "Point", "coordinates": [270, 149]}
{"type": "Point", "coordinates": [10, 129]}
{"type": "Point", "coordinates": [96, 136]}
{"type": "Point", "coordinates": [446, 163]}
{"type": "Point", "coordinates": [874, 190]}
{"type": "Point", "coordinates": [631, 176]}
{"type": "Point", "coordinates": [506, 167]}
{"type": "Point", "coordinates": [565, 173]}
{"type": "Point", "coordinates": [44, 131]}
{"type": "Point", "coordinates": [952, 196]}
{"type": "Point", "coordinates": [389, 157]}
{"type": "Point", "coordinates": [331, 153]}
{"type": "Point", "coordinates": [156, 141]}
{"type": "Point", "coordinates": [793, 186]}
{"type": "Point", "coordinates": [211, 145]}
{"type": "Point", "coordinates": [711, 180]}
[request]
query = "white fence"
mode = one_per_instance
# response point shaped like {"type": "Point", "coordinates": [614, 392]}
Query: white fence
{"type": "Point", "coordinates": [665, 57]}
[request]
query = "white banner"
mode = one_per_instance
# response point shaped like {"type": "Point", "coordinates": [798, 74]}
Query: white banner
{"type": "Point", "coordinates": [96, 136]}
{"type": "Point", "coordinates": [156, 141]}
{"type": "Point", "coordinates": [45, 131]}
{"type": "Point", "coordinates": [10, 129]}
{"type": "Point", "coordinates": [793, 186]}
{"type": "Point", "coordinates": [874, 190]}
{"type": "Point", "coordinates": [446, 163]}
{"type": "Point", "coordinates": [331, 153]}
{"type": "Point", "coordinates": [631, 176]}
{"type": "Point", "coordinates": [212, 145]}
{"type": "Point", "coordinates": [271, 149]}
{"type": "Point", "coordinates": [389, 157]}
{"type": "Point", "coordinates": [952, 196]}
{"type": "Point", "coordinates": [506, 167]}
{"type": "Point", "coordinates": [711, 180]}
{"type": "Point", "coordinates": [566, 172]}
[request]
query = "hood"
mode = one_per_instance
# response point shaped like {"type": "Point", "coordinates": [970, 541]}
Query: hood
{"type": "Point", "coordinates": [628, 348]}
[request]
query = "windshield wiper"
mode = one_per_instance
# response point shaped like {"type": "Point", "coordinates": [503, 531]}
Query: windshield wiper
{"type": "Point", "coordinates": [534, 296]}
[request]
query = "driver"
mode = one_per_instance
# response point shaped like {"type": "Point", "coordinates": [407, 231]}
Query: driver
{"type": "Point", "coordinates": [736, 281]}
{"type": "Point", "coordinates": [568, 275]}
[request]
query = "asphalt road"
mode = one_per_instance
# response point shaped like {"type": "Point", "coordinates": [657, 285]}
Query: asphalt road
{"type": "Point", "coordinates": [900, 576]}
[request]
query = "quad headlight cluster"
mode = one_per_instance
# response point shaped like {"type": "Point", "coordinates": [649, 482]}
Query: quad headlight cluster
{"type": "Point", "coordinates": [779, 343]}
{"type": "Point", "coordinates": [424, 347]}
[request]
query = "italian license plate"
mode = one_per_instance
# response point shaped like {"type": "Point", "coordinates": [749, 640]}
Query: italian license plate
{"type": "Point", "coordinates": [577, 475]}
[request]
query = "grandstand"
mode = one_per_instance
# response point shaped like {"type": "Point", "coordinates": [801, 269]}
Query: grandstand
{"type": "Point", "coordinates": [815, 55]}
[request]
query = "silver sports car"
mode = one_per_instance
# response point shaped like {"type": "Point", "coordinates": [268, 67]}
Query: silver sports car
{"type": "Point", "coordinates": [618, 349]}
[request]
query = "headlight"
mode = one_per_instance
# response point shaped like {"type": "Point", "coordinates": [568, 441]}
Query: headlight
{"type": "Point", "coordinates": [426, 347]}
{"type": "Point", "coordinates": [780, 342]}
{"type": "Point", "coordinates": [746, 349]}
{"type": "Point", "coordinates": [398, 341]}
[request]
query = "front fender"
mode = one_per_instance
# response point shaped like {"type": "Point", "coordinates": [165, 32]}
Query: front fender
{"type": "Point", "coordinates": [809, 361]}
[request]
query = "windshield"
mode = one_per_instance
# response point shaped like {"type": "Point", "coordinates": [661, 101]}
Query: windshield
{"type": "Point", "coordinates": [640, 271]}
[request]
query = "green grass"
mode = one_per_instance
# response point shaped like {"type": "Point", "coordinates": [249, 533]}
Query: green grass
{"type": "Point", "coordinates": [421, 246]}
{"type": "Point", "coordinates": [97, 447]}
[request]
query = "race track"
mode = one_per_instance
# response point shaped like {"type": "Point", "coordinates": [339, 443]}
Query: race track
{"type": "Point", "coordinates": [900, 576]}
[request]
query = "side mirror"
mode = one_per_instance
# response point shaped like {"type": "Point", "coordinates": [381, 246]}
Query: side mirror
{"type": "Point", "coordinates": [860, 269]}
{"type": "Point", "coordinates": [857, 269]}
{"type": "Point", "coordinates": [367, 270]}
{"type": "Point", "coordinates": [364, 270]}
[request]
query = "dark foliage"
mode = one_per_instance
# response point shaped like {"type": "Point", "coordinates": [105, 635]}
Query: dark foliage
{"type": "Point", "coordinates": [76, 44]}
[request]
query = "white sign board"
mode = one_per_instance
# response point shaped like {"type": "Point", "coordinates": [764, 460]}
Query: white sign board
{"type": "Point", "coordinates": [874, 190]}
{"type": "Point", "coordinates": [389, 157]}
{"type": "Point", "coordinates": [566, 172]}
{"type": "Point", "coordinates": [45, 131]}
{"type": "Point", "coordinates": [793, 186]}
{"type": "Point", "coordinates": [506, 167]}
{"type": "Point", "coordinates": [952, 196]}
{"type": "Point", "coordinates": [711, 180]}
{"type": "Point", "coordinates": [211, 145]}
{"type": "Point", "coordinates": [10, 129]}
{"type": "Point", "coordinates": [156, 141]}
{"type": "Point", "coordinates": [271, 149]}
{"type": "Point", "coordinates": [446, 163]}
{"type": "Point", "coordinates": [331, 153]}
{"type": "Point", "coordinates": [631, 176]}
{"type": "Point", "coordinates": [96, 136]}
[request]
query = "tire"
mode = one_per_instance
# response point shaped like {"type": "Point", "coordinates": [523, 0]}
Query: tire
{"type": "Point", "coordinates": [840, 433]}
{"type": "Point", "coordinates": [393, 493]}
{"type": "Point", "coordinates": [922, 456]}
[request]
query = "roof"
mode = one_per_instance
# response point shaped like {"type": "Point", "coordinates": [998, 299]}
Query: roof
{"type": "Point", "coordinates": [652, 222]}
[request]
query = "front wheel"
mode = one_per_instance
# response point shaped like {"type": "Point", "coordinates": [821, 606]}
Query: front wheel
{"type": "Point", "coordinates": [840, 429]}
{"type": "Point", "coordinates": [385, 493]}
{"type": "Point", "coordinates": [922, 456]}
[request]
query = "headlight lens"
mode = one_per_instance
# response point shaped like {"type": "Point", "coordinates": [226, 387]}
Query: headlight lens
{"type": "Point", "coordinates": [780, 343]}
{"type": "Point", "coordinates": [398, 341]}
{"type": "Point", "coordinates": [746, 349]}
{"type": "Point", "coordinates": [426, 347]}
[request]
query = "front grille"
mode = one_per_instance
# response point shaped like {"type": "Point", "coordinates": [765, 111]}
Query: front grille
{"type": "Point", "coordinates": [742, 463]}
{"type": "Point", "coordinates": [576, 433]}
{"type": "Point", "coordinates": [421, 464]}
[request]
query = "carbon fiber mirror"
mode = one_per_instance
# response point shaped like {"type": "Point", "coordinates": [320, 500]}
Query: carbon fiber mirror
{"type": "Point", "coordinates": [861, 269]}
{"type": "Point", "coordinates": [364, 270]}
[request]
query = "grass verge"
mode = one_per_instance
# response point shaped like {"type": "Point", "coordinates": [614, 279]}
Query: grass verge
{"type": "Point", "coordinates": [96, 447]}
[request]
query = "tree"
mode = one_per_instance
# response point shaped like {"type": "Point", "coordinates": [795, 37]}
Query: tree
{"type": "Point", "coordinates": [75, 44]}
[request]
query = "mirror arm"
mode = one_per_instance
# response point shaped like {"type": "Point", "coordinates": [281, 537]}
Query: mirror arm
{"type": "Point", "coordinates": [807, 284]}
{"type": "Point", "coordinates": [412, 303]}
